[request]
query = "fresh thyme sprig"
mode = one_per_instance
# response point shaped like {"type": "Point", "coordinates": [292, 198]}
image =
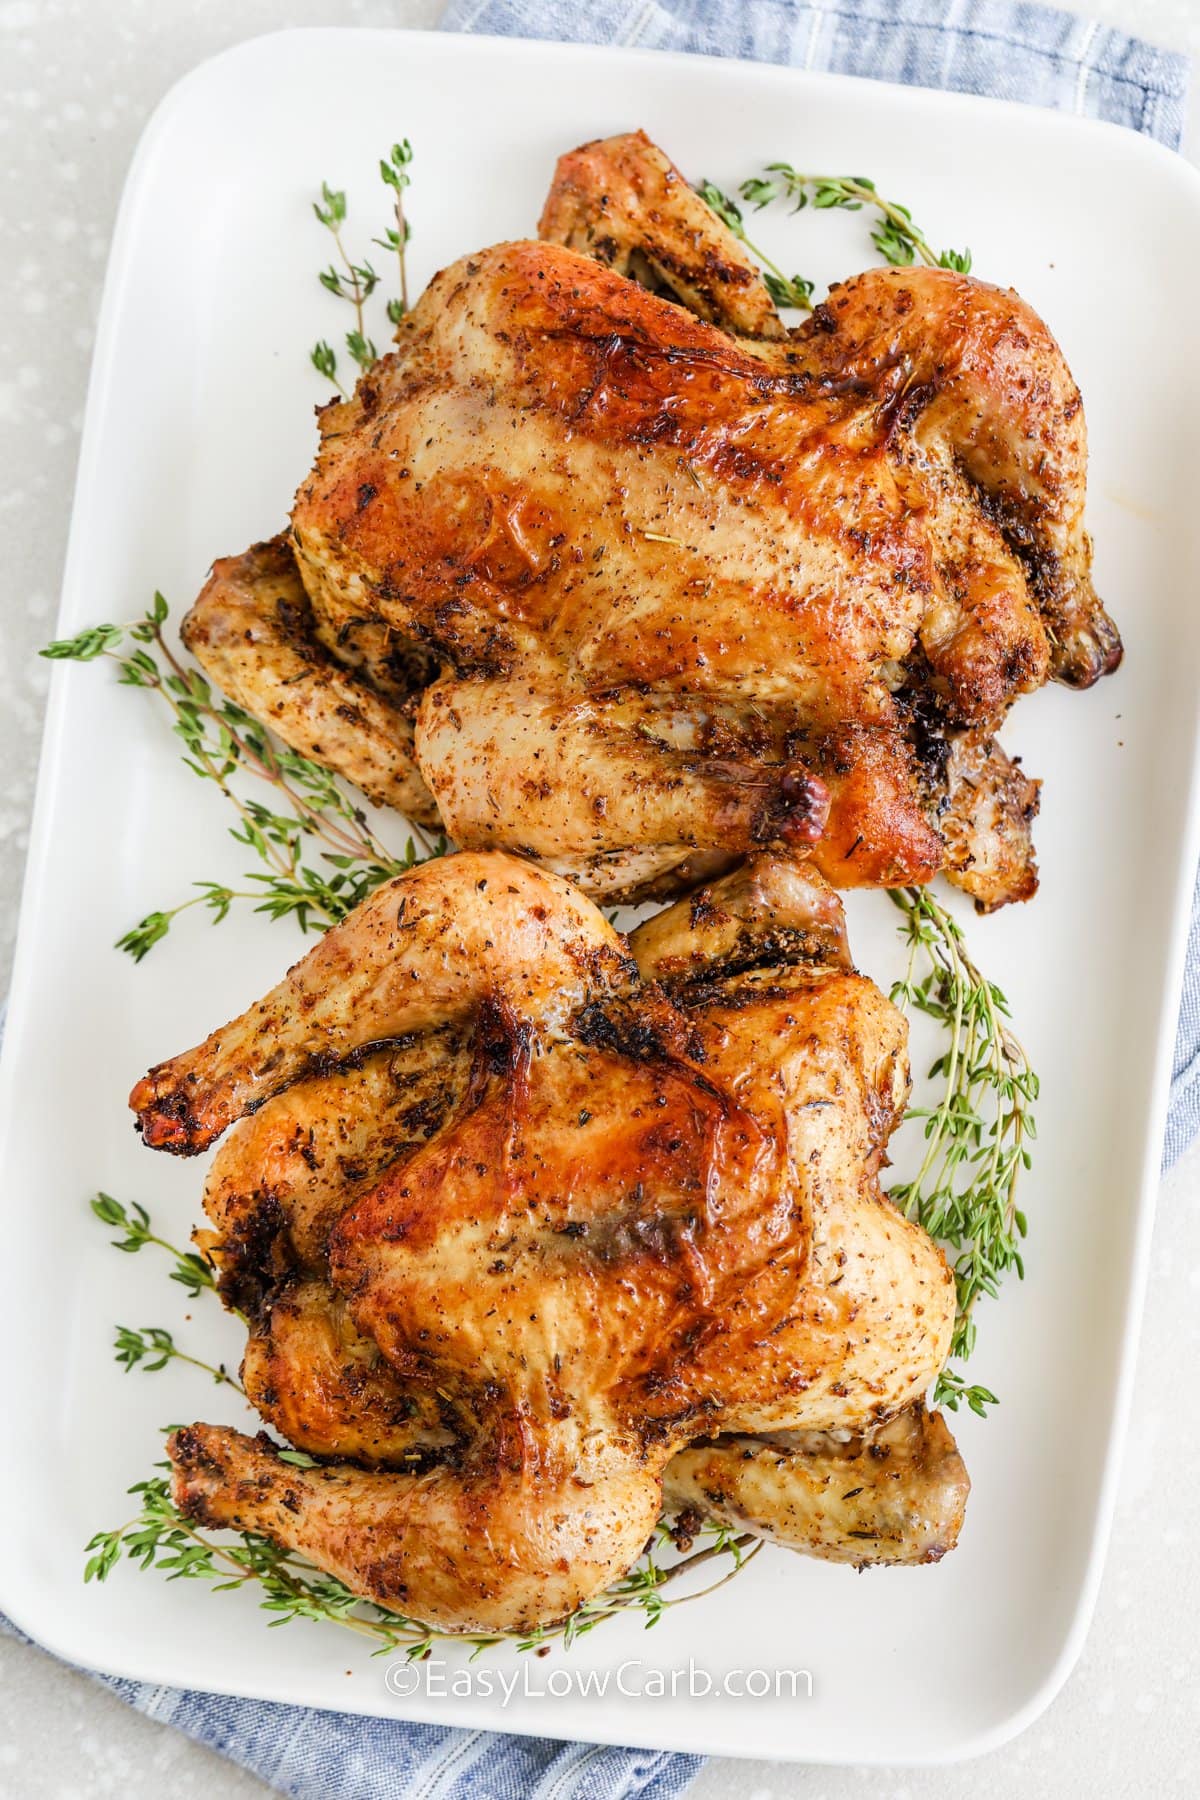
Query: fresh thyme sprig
{"type": "Point", "coordinates": [896, 238]}
{"type": "Point", "coordinates": [141, 938]}
{"type": "Point", "coordinates": [393, 171]}
{"type": "Point", "coordinates": [152, 1348]}
{"type": "Point", "coordinates": [220, 740]}
{"type": "Point", "coordinates": [158, 1536]}
{"type": "Point", "coordinates": [192, 1271]}
{"type": "Point", "coordinates": [356, 282]}
{"type": "Point", "coordinates": [641, 1589]}
{"type": "Point", "coordinates": [219, 737]}
{"type": "Point", "coordinates": [977, 1136]}
{"type": "Point", "coordinates": [785, 290]}
{"type": "Point", "coordinates": [352, 282]}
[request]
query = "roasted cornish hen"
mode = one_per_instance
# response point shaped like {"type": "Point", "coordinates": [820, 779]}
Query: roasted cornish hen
{"type": "Point", "coordinates": [527, 1217]}
{"type": "Point", "coordinates": [634, 589]}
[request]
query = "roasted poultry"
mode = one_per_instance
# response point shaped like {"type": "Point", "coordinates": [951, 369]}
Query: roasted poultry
{"type": "Point", "coordinates": [635, 589]}
{"type": "Point", "coordinates": [530, 1219]}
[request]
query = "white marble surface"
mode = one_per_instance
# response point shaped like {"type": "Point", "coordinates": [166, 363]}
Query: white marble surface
{"type": "Point", "coordinates": [77, 80]}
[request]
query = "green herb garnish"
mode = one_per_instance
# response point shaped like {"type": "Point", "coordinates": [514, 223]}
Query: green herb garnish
{"type": "Point", "coordinates": [152, 1348]}
{"type": "Point", "coordinates": [193, 1272]}
{"type": "Point", "coordinates": [356, 282]}
{"type": "Point", "coordinates": [896, 238]}
{"type": "Point", "coordinates": [221, 741]}
{"type": "Point", "coordinates": [977, 1136]}
{"type": "Point", "coordinates": [785, 290]}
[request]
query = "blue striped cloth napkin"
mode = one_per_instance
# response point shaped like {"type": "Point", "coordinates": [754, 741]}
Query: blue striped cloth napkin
{"type": "Point", "coordinates": [1016, 51]}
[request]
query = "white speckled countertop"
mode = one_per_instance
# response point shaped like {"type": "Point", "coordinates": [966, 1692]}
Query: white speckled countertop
{"type": "Point", "coordinates": [77, 80]}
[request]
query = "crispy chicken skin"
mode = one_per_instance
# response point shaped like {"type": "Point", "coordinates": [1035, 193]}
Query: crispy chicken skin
{"type": "Point", "coordinates": [641, 1208]}
{"type": "Point", "coordinates": [671, 584]}
{"type": "Point", "coordinates": [286, 1175]}
{"type": "Point", "coordinates": [254, 631]}
{"type": "Point", "coordinates": [622, 202]}
{"type": "Point", "coordinates": [986, 817]}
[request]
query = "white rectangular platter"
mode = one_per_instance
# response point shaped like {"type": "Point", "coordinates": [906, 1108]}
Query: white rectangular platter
{"type": "Point", "coordinates": [199, 427]}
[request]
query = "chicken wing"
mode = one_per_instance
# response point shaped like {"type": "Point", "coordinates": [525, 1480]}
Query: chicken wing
{"type": "Point", "coordinates": [622, 202]}
{"type": "Point", "coordinates": [896, 1494]}
{"type": "Point", "coordinates": [255, 633]}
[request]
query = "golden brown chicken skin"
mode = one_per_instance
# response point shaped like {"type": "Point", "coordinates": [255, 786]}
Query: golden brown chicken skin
{"type": "Point", "coordinates": [650, 1215]}
{"type": "Point", "coordinates": [254, 631]}
{"type": "Point", "coordinates": [622, 202]}
{"type": "Point", "coordinates": [896, 1494]}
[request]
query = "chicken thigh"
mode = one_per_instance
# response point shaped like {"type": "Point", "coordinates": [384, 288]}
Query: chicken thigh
{"type": "Point", "coordinates": [520, 1210]}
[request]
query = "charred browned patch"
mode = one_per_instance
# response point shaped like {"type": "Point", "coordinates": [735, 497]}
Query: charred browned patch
{"type": "Point", "coordinates": [254, 1255]}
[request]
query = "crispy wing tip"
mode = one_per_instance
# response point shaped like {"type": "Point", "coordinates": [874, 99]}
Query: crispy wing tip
{"type": "Point", "coordinates": [894, 1496]}
{"type": "Point", "coordinates": [165, 1118]}
{"type": "Point", "coordinates": [254, 631]}
{"type": "Point", "coordinates": [987, 823]}
{"type": "Point", "coordinates": [622, 201]}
